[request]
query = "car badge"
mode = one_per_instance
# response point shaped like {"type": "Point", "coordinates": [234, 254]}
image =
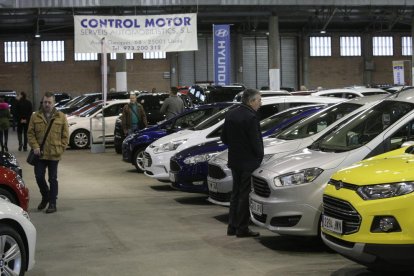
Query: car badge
{"type": "Point", "coordinates": [339, 185]}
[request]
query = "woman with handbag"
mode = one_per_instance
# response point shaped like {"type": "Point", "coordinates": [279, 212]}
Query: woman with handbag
{"type": "Point", "coordinates": [48, 136]}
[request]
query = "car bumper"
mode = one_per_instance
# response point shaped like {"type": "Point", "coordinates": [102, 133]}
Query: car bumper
{"type": "Point", "coordinates": [126, 153]}
{"type": "Point", "coordinates": [368, 254]}
{"type": "Point", "coordinates": [157, 165]}
{"type": "Point", "coordinates": [290, 210]}
{"type": "Point", "coordinates": [189, 178]}
{"type": "Point", "coordinates": [220, 184]}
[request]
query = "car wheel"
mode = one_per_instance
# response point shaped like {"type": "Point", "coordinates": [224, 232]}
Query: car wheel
{"type": "Point", "coordinates": [8, 196]}
{"type": "Point", "coordinates": [80, 139]}
{"type": "Point", "coordinates": [138, 159]}
{"type": "Point", "coordinates": [12, 252]}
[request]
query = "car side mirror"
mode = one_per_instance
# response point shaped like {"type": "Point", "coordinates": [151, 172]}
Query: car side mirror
{"type": "Point", "coordinates": [99, 116]}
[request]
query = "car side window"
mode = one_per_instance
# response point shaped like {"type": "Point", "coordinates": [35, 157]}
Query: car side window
{"type": "Point", "coordinates": [113, 110]}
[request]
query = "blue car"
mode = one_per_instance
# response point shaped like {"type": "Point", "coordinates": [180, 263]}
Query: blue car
{"type": "Point", "coordinates": [134, 145]}
{"type": "Point", "coordinates": [189, 168]}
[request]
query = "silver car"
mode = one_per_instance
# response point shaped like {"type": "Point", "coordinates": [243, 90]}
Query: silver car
{"type": "Point", "coordinates": [287, 192]}
{"type": "Point", "coordinates": [300, 135]}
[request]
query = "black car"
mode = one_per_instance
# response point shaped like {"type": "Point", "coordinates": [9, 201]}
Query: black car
{"type": "Point", "coordinates": [152, 103]}
{"type": "Point", "coordinates": [224, 93]}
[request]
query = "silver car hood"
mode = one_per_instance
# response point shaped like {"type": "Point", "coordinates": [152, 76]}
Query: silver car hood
{"type": "Point", "coordinates": [304, 159]}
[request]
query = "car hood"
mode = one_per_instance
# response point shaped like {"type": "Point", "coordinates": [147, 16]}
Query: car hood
{"type": "Point", "coordinates": [208, 147]}
{"type": "Point", "coordinates": [180, 135]}
{"type": "Point", "coordinates": [388, 170]}
{"type": "Point", "coordinates": [305, 159]}
{"type": "Point", "coordinates": [274, 145]}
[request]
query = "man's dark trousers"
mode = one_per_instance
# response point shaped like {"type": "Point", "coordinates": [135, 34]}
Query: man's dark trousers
{"type": "Point", "coordinates": [239, 213]}
{"type": "Point", "coordinates": [40, 172]}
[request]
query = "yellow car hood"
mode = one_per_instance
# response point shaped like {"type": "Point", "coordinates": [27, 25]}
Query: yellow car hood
{"type": "Point", "coordinates": [391, 169]}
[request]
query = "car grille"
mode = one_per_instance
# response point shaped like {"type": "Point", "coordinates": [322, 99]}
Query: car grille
{"type": "Point", "coordinates": [260, 218]}
{"type": "Point", "coordinates": [344, 211]}
{"type": "Point", "coordinates": [147, 156]}
{"type": "Point", "coordinates": [260, 187]}
{"type": "Point", "coordinates": [174, 166]}
{"type": "Point", "coordinates": [216, 172]}
{"type": "Point", "coordinates": [221, 197]}
{"type": "Point", "coordinates": [342, 185]}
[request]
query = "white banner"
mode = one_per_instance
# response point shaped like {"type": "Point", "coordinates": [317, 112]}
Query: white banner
{"type": "Point", "coordinates": [398, 72]}
{"type": "Point", "coordinates": [136, 34]}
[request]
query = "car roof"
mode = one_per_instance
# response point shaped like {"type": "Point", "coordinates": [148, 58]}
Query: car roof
{"type": "Point", "coordinates": [310, 99]}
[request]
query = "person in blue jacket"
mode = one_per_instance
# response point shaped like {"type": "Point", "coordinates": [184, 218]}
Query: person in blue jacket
{"type": "Point", "coordinates": [241, 132]}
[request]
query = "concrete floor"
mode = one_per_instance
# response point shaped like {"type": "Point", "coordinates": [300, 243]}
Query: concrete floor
{"type": "Point", "coordinates": [112, 220]}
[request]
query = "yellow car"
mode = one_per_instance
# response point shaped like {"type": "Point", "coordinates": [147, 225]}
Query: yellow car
{"type": "Point", "coordinates": [368, 211]}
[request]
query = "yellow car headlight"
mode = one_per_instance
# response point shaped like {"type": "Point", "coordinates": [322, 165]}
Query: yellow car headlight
{"type": "Point", "coordinates": [381, 191]}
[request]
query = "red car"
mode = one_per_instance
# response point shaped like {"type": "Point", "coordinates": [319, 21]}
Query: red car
{"type": "Point", "coordinates": [13, 188]}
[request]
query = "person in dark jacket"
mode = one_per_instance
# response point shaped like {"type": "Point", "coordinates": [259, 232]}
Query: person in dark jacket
{"type": "Point", "coordinates": [22, 114]}
{"type": "Point", "coordinates": [241, 132]}
{"type": "Point", "coordinates": [4, 124]}
{"type": "Point", "coordinates": [173, 105]}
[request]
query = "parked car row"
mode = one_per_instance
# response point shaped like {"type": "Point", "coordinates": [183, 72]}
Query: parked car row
{"type": "Point", "coordinates": [362, 211]}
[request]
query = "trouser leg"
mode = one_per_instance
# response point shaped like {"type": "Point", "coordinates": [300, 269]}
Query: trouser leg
{"type": "Point", "coordinates": [19, 134]}
{"type": "Point", "coordinates": [53, 182]}
{"type": "Point", "coordinates": [243, 214]}
{"type": "Point", "coordinates": [40, 171]}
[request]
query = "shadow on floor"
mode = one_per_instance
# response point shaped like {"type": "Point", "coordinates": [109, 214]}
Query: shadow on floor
{"type": "Point", "coordinates": [198, 200]}
{"type": "Point", "coordinates": [162, 188]}
{"type": "Point", "coordinates": [294, 244]}
{"type": "Point", "coordinates": [224, 218]}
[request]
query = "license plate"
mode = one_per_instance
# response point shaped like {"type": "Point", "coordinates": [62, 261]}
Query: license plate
{"type": "Point", "coordinates": [256, 208]}
{"type": "Point", "coordinates": [332, 224]}
{"type": "Point", "coordinates": [212, 186]}
{"type": "Point", "coordinates": [173, 177]}
{"type": "Point", "coordinates": [145, 161]}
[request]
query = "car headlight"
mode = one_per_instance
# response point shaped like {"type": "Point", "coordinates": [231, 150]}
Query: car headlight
{"type": "Point", "coordinates": [72, 123]}
{"type": "Point", "coordinates": [199, 158]}
{"type": "Point", "coordinates": [170, 146]}
{"type": "Point", "coordinates": [385, 190]}
{"type": "Point", "coordinates": [20, 180]}
{"type": "Point", "coordinates": [297, 178]}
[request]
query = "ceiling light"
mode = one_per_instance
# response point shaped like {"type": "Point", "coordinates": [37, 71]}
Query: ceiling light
{"type": "Point", "coordinates": [323, 32]}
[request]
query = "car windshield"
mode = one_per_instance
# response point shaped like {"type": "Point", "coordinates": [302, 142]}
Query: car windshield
{"type": "Point", "coordinates": [278, 118]}
{"type": "Point", "coordinates": [211, 121]}
{"type": "Point", "coordinates": [91, 111]}
{"type": "Point", "coordinates": [74, 101]}
{"type": "Point", "coordinates": [364, 127]}
{"type": "Point", "coordinates": [318, 122]}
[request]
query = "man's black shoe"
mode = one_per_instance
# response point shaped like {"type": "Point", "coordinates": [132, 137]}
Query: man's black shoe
{"type": "Point", "coordinates": [231, 231]}
{"type": "Point", "coordinates": [51, 209]}
{"type": "Point", "coordinates": [247, 234]}
{"type": "Point", "coordinates": [20, 148]}
{"type": "Point", "coordinates": [42, 205]}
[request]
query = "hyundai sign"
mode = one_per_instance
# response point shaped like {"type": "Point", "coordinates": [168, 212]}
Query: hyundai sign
{"type": "Point", "coordinates": [221, 41]}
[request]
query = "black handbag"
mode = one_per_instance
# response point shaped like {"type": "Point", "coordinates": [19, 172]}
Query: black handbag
{"type": "Point", "coordinates": [33, 158]}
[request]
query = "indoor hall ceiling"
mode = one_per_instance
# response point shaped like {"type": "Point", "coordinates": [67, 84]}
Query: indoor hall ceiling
{"type": "Point", "coordinates": [245, 18]}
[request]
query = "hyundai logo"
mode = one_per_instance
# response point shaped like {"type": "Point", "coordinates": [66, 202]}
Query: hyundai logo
{"type": "Point", "coordinates": [222, 33]}
{"type": "Point", "coordinates": [339, 185]}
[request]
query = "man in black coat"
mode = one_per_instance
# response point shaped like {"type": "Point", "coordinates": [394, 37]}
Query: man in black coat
{"type": "Point", "coordinates": [23, 112]}
{"type": "Point", "coordinates": [241, 132]}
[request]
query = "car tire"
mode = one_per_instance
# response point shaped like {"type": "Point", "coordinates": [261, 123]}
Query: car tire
{"type": "Point", "coordinates": [8, 196]}
{"type": "Point", "coordinates": [12, 252]}
{"type": "Point", "coordinates": [80, 139]}
{"type": "Point", "coordinates": [137, 159]}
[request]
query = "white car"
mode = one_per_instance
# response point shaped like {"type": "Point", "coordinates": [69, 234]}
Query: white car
{"type": "Point", "coordinates": [18, 240]}
{"type": "Point", "coordinates": [157, 155]}
{"type": "Point", "coordinates": [264, 93]}
{"type": "Point", "coordinates": [349, 93]}
{"type": "Point", "coordinates": [80, 125]}
{"type": "Point", "coordinates": [287, 192]}
{"type": "Point", "coordinates": [300, 135]}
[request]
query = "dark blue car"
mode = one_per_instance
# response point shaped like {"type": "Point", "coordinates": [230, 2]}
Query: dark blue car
{"type": "Point", "coordinates": [189, 168]}
{"type": "Point", "coordinates": [134, 145]}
